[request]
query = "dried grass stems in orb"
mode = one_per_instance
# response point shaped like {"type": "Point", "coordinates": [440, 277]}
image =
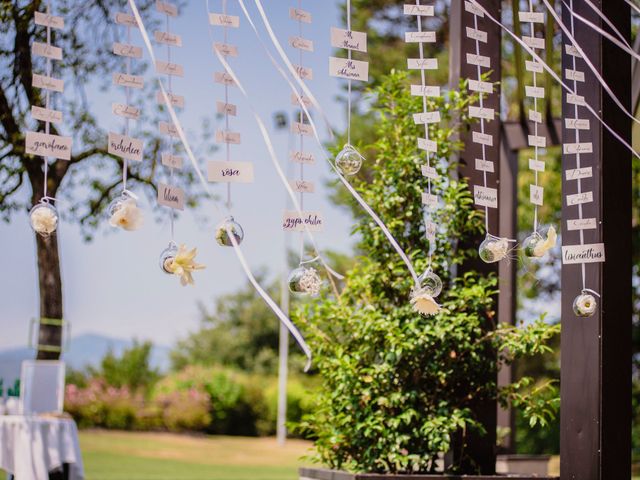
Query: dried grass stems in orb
{"type": "Point", "coordinates": [43, 218]}
{"type": "Point", "coordinates": [423, 296]}
{"type": "Point", "coordinates": [585, 304]}
{"type": "Point", "coordinates": [180, 262]}
{"type": "Point", "coordinates": [305, 281]}
{"type": "Point", "coordinates": [124, 213]}
{"type": "Point", "coordinates": [493, 249]}
{"type": "Point", "coordinates": [349, 161]}
{"type": "Point", "coordinates": [536, 245]}
{"type": "Point", "coordinates": [226, 227]}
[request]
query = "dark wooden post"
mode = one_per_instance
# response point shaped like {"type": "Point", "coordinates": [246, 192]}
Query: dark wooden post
{"type": "Point", "coordinates": [596, 351]}
{"type": "Point", "coordinates": [479, 452]}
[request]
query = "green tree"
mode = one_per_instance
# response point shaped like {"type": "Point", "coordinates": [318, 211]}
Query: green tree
{"type": "Point", "coordinates": [131, 369]}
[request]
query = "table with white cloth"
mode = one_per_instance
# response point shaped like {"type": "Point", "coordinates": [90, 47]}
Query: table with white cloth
{"type": "Point", "coordinates": [33, 446]}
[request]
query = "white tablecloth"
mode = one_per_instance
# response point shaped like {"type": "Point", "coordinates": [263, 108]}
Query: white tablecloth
{"type": "Point", "coordinates": [31, 447]}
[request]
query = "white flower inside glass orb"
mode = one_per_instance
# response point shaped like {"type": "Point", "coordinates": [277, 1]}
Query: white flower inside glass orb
{"type": "Point", "coordinates": [493, 249]}
{"type": "Point", "coordinates": [423, 297]}
{"type": "Point", "coordinates": [585, 305]}
{"type": "Point", "coordinates": [44, 219]}
{"type": "Point", "coordinates": [305, 281]}
{"type": "Point", "coordinates": [124, 213]}
{"type": "Point", "coordinates": [349, 161]}
{"type": "Point", "coordinates": [536, 245]}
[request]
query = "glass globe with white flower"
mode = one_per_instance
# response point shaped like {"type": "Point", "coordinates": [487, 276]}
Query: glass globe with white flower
{"type": "Point", "coordinates": [124, 212]}
{"type": "Point", "coordinates": [227, 228]}
{"type": "Point", "coordinates": [585, 304]}
{"type": "Point", "coordinates": [305, 281]}
{"type": "Point", "coordinates": [43, 218]}
{"type": "Point", "coordinates": [536, 245]}
{"type": "Point", "coordinates": [423, 295]}
{"type": "Point", "coordinates": [349, 161]}
{"type": "Point", "coordinates": [493, 249]}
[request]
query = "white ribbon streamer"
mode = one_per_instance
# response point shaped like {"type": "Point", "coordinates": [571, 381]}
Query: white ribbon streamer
{"type": "Point", "coordinates": [236, 248]}
{"type": "Point", "coordinates": [555, 76]}
{"type": "Point", "coordinates": [605, 19]}
{"type": "Point", "coordinates": [353, 192]}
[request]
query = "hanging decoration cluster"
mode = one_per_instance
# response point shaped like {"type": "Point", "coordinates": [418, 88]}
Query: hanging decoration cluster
{"type": "Point", "coordinates": [123, 211]}
{"type": "Point", "coordinates": [44, 215]}
{"type": "Point", "coordinates": [541, 239]}
{"type": "Point", "coordinates": [174, 260]}
{"type": "Point", "coordinates": [304, 280]}
{"type": "Point", "coordinates": [430, 285]}
{"type": "Point", "coordinates": [227, 171]}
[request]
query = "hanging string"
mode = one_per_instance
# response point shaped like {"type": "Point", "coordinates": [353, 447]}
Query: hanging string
{"type": "Point", "coordinates": [170, 140]}
{"type": "Point", "coordinates": [349, 81]}
{"type": "Point", "coordinates": [301, 137]}
{"type": "Point", "coordinates": [47, 97]}
{"type": "Point", "coordinates": [226, 110]}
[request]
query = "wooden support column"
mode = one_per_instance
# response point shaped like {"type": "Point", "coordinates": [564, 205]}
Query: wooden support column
{"type": "Point", "coordinates": [596, 351]}
{"type": "Point", "coordinates": [479, 452]}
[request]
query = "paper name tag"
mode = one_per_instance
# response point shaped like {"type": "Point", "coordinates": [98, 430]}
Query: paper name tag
{"type": "Point", "coordinates": [299, 15]}
{"type": "Point", "coordinates": [485, 196]}
{"type": "Point", "coordinates": [296, 99]}
{"type": "Point", "coordinates": [577, 123]}
{"type": "Point", "coordinates": [224, 78]}
{"type": "Point", "coordinates": [422, 63]}
{"type": "Point", "coordinates": [429, 199]}
{"type": "Point", "coordinates": [481, 112]}
{"type": "Point", "coordinates": [575, 99]}
{"type": "Point", "coordinates": [302, 157]}
{"type": "Point", "coordinates": [536, 165]}
{"type": "Point", "coordinates": [131, 81]}
{"type": "Point", "coordinates": [349, 69]}
{"type": "Point", "coordinates": [125, 147]}
{"type": "Point", "coordinates": [168, 68]}
{"type": "Point", "coordinates": [168, 129]}
{"type": "Point", "coordinates": [579, 198]}
{"type": "Point", "coordinates": [576, 75]}
{"type": "Point", "coordinates": [536, 195]}
{"type": "Point", "coordinates": [226, 49]}
{"type": "Point", "coordinates": [430, 230]}
{"type": "Point", "coordinates": [172, 197]}
{"type": "Point", "coordinates": [421, 10]}
{"type": "Point", "coordinates": [125, 50]}
{"type": "Point", "coordinates": [572, 50]}
{"type": "Point", "coordinates": [582, 147]}
{"type": "Point", "coordinates": [47, 51]}
{"type": "Point", "coordinates": [298, 128]}
{"type": "Point", "coordinates": [534, 67]}
{"type": "Point", "coordinates": [429, 172]}
{"type": "Point", "coordinates": [301, 43]}
{"type": "Point", "coordinates": [535, 116]}
{"type": "Point", "coordinates": [475, 34]}
{"type": "Point", "coordinates": [579, 173]}
{"type": "Point", "coordinates": [167, 38]}
{"type": "Point", "coordinates": [302, 186]}
{"type": "Point", "coordinates": [473, 8]}
{"type": "Point", "coordinates": [172, 161]}
{"type": "Point", "coordinates": [482, 139]}
{"type": "Point", "coordinates": [427, 145]}
{"type": "Point", "coordinates": [581, 224]}
{"type": "Point", "coordinates": [48, 83]}
{"type": "Point", "coordinates": [47, 20]}
{"type": "Point", "coordinates": [348, 39]}
{"type": "Point", "coordinates": [292, 222]}
{"type": "Point", "coordinates": [228, 137]}
{"type": "Point", "coordinates": [226, 108]}
{"type": "Point", "coordinates": [534, 92]}
{"type": "Point", "coordinates": [304, 72]}
{"type": "Point", "coordinates": [175, 100]}
{"type": "Point", "coordinates": [537, 141]}
{"type": "Point", "coordinates": [126, 20]}
{"type": "Point", "coordinates": [126, 111]}
{"type": "Point", "coordinates": [479, 60]}
{"type": "Point", "coordinates": [426, 117]}
{"type": "Point", "coordinates": [589, 253]}
{"type": "Point", "coordinates": [230, 172]}
{"type": "Point", "coordinates": [480, 86]}
{"type": "Point", "coordinates": [166, 8]}
{"type": "Point", "coordinates": [533, 42]}
{"type": "Point", "coordinates": [221, 20]}
{"type": "Point", "coordinates": [484, 165]}
{"type": "Point", "coordinates": [425, 91]}
{"type": "Point", "coordinates": [531, 17]}
{"type": "Point", "coordinates": [420, 37]}
{"type": "Point", "coordinates": [45, 145]}
{"type": "Point", "coordinates": [46, 114]}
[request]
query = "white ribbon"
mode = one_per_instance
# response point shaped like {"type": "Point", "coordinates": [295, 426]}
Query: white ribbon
{"type": "Point", "coordinates": [555, 76]}
{"type": "Point", "coordinates": [236, 248]}
{"type": "Point", "coordinates": [351, 190]}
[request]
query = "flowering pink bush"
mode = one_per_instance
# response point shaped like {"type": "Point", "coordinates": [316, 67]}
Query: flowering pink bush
{"type": "Point", "coordinates": [184, 410]}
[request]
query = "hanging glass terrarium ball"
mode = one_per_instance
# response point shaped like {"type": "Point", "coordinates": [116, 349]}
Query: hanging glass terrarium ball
{"type": "Point", "coordinates": [166, 258]}
{"type": "Point", "coordinates": [305, 281]}
{"type": "Point", "coordinates": [124, 213]}
{"type": "Point", "coordinates": [493, 249]}
{"type": "Point", "coordinates": [585, 305]}
{"type": "Point", "coordinates": [536, 245]}
{"type": "Point", "coordinates": [349, 161]}
{"type": "Point", "coordinates": [430, 283]}
{"type": "Point", "coordinates": [222, 232]}
{"type": "Point", "coordinates": [43, 218]}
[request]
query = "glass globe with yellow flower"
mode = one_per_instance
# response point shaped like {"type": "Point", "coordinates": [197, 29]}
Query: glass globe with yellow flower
{"type": "Point", "coordinates": [180, 261]}
{"type": "Point", "coordinates": [424, 294]}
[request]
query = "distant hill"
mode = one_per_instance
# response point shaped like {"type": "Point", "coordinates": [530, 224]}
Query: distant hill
{"type": "Point", "coordinates": [84, 350]}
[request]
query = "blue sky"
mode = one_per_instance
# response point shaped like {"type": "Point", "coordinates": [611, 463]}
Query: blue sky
{"type": "Point", "coordinates": [113, 285]}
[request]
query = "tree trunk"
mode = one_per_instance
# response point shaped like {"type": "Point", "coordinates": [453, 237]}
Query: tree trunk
{"type": "Point", "coordinates": [49, 335]}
